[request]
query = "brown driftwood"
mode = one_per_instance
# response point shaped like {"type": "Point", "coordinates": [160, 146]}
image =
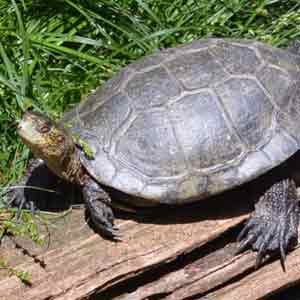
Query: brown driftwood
{"type": "Point", "coordinates": [178, 254]}
{"type": "Point", "coordinates": [82, 267]}
{"type": "Point", "coordinates": [262, 282]}
{"type": "Point", "coordinates": [222, 276]}
{"type": "Point", "coordinates": [78, 266]}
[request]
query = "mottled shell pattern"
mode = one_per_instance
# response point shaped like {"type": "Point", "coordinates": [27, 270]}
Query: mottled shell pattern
{"type": "Point", "coordinates": [192, 121]}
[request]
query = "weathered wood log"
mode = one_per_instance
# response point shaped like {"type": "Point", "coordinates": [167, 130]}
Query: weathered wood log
{"type": "Point", "coordinates": [222, 276]}
{"type": "Point", "coordinates": [185, 253]}
{"type": "Point", "coordinates": [88, 264]}
{"type": "Point", "coordinates": [262, 282]}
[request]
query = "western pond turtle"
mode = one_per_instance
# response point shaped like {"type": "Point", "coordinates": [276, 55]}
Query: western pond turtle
{"type": "Point", "coordinates": [181, 125]}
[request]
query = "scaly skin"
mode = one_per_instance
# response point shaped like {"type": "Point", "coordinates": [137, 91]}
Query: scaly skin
{"type": "Point", "coordinates": [273, 226]}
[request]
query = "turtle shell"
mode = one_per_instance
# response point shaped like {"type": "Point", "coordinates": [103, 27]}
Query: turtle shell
{"type": "Point", "coordinates": [192, 121]}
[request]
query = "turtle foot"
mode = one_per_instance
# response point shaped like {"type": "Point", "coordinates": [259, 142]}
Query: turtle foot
{"type": "Point", "coordinates": [102, 217]}
{"type": "Point", "coordinates": [98, 205]}
{"type": "Point", "coordinates": [16, 198]}
{"type": "Point", "coordinates": [273, 226]}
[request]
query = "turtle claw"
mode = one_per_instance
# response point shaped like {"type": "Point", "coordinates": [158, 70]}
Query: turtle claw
{"type": "Point", "coordinates": [17, 199]}
{"type": "Point", "coordinates": [244, 244]}
{"type": "Point", "coordinates": [113, 232]}
{"type": "Point", "coordinates": [263, 246]}
{"type": "Point", "coordinates": [108, 230]}
{"type": "Point", "coordinates": [246, 229]}
{"type": "Point", "coordinates": [273, 227]}
{"type": "Point", "coordinates": [102, 218]}
{"type": "Point", "coordinates": [117, 235]}
{"type": "Point", "coordinates": [282, 257]}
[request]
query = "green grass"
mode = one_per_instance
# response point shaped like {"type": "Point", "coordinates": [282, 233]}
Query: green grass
{"type": "Point", "coordinates": [53, 53]}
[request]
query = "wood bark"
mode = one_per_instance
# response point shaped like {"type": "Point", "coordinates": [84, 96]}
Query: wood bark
{"type": "Point", "coordinates": [178, 254]}
{"type": "Point", "coordinates": [79, 265]}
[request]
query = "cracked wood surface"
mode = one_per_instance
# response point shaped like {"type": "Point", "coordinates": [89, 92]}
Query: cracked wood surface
{"type": "Point", "coordinates": [223, 276]}
{"type": "Point", "coordinates": [81, 262]}
{"type": "Point", "coordinates": [260, 283]}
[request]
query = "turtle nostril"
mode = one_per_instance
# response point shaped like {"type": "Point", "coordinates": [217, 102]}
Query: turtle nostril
{"type": "Point", "coordinates": [15, 124]}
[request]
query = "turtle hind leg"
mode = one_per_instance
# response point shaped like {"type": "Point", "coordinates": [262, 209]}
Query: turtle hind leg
{"type": "Point", "coordinates": [17, 194]}
{"type": "Point", "coordinates": [98, 204]}
{"type": "Point", "coordinates": [273, 226]}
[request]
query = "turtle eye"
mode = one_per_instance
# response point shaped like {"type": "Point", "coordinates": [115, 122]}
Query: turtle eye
{"type": "Point", "coordinates": [44, 129]}
{"type": "Point", "coordinates": [60, 138]}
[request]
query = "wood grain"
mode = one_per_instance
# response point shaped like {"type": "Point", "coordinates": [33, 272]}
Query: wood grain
{"type": "Point", "coordinates": [88, 263]}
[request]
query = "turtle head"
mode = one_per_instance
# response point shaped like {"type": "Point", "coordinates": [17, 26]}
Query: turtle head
{"type": "Point", "coordinates": [47, 140]}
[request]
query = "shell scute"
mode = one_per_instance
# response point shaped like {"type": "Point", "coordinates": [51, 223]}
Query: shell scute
{"type": "Point", "coordinates": [294, 106]}
{"type": "Point", "coordinates": [237, 59]}
{"type": "Point", "coordinates": [255, 163]}
{"type": "Point", "coordinates": [107, 117]}
{"type": "Point", "coordinates": [278, 84]}
{"type": "Point", "coordinates": [207, 141]}
{"type": "Point", "coordinates": [290, 123]}
{"type": "Point", "coordinates": [280, 147]}
{"type": "Point", "coordinates": [196, 46]}
{"type": "Point", "coordinates": [152, 88]}
{"type": "Point", "coordinates": [154, 60]}
{"type": "Point", "coordinates": [134, 181]}
{"type": "Point", "coordinates": [249, 108]}
{"type": "Point", "coordinates": [281, 58]}
{"type": "Point", "coordinates": [102, 166]}
{"type": "Point", "coordinates": [149, 146]}
{"type": "Point", "coordinates": [196, 70]}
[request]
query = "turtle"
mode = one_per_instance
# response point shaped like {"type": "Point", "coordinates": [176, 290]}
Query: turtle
{"type": "Point", "coordinates": [181, 125]}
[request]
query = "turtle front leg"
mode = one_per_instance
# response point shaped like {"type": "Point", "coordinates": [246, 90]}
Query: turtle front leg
{"type": "Point", "coordinates": [273, 226]}
{"type": "Point", "coordinates": [98, 204]}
